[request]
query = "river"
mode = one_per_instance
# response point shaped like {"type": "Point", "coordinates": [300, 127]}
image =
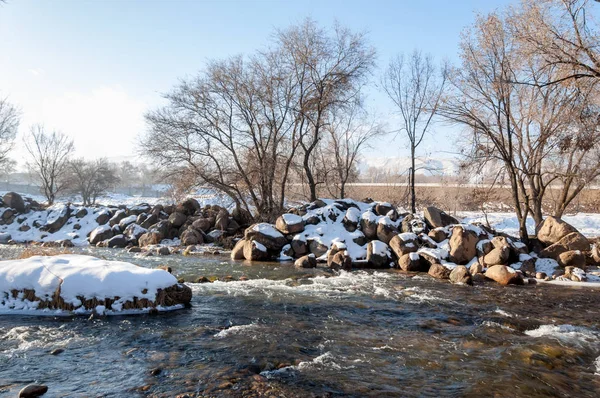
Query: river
{"type": "Point", "coordinates": [290, 333]}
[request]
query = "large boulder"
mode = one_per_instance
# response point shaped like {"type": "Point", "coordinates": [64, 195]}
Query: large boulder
{"type": "Point", "coordinates": [255, 251]}
{"type": "Point", "coordinates": [102, 217]}
{"type": "Point", "coordinates": [119, 241]}
{"type": "Point", "coordinates": [351, 219]}
{"type": "Point", "coordinates": [117, 217]}
{"type": "Point", "coordinates": [57, 218]}
{"type": "Point", "coordinates": [340, 260]}
{"type": "Point", "coordinates": [571, 258]}
{"type": "Point", "coordinates": [308, 261]}
{"type": "Point", "coordinates": [299, 245]}
{"type": "Point", "coordinates": [436, 218]}
{"type": "Point", "coordinates": [101, 233]}
{"type": "Point", "coordinates": [237, 253]}
{"type": "Point", "coordinates": [463, 245]}
{"type": "Point", "coordinates": [289, 224]}
{"type": "Point", "coordinates": [134, 231]}
{"type": "Point", "coordinates": [439, 271]}
{"type": "Point", "coordinates": [504, 275]}
{"type": "Point", "coordinates": [368, 224]}
{"type": "Point", "coordinates": [552, 229]}
{"type": "Point", "coordinates": [222, 220]}
{"type": "Point", "coordinates": [571, 241]}
{"type": "Point", "coordinates": [498, 255]}
{"type": "Point", "coordinates": [149, 238]}
{"type": "Point", "coordinates": [14, 200]}
{"type": "Point", "coordinates": [267, 235]}
{"type": "Point", "coordinates": [460, 274]}
{"type": "Point", "coordinates": [383, 208]}
{"type": "Point", "coordinates": [438, 234]}
{"type": "Point", "coordinates": [404, 243]}
{"type": "Point", "coordinates": [177, 219]}
{"type": "Point", "coordinates": [378, 254]}
{"type": "Point", "coordinates": [191, 237]}
{"type": "Point", "coordinates": [202, 224]}
{"type": "Point", "coordinates": [188, 207]}
{"type": "Point", "coordinates": [410, 262]}
{"type": "Point", "coordinates": [386, 230]}
{"type": "Point", "coordinates": [414, 224]}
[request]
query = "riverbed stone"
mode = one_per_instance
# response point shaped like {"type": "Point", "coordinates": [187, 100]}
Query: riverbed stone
{"type": "Point", "coordinates": [463, 244]}
{"type": "Point", "coordinates": [378, 254]}
{"type": "Point", "coordinates": [504, 275]}
{"type": "Point", "coordinates": [237, 253]}
{"type": "Point", "coordinates": [149, 238]}
{"type": "Point", "coordinates": [438, 234]}
{"type": "Point", "coordinates": [33, 391]}
{"type": "Point", "coordinates": [439, 271]}
{"type": "Point", "coordinates": [341, 260]}
{"type": "Point", "coordinates": [404, 243]}
{"type": "Point", "coordinates": [307, 261]}
{"type": "Point", "coordinates": [289, 224]}
{"type": "Point", "coordinates": [191, 237]}
{"type": "Point", "coordinates": [460, 274]}
{"type": "Point", "coordinates": [410, 262]}
{"type": "Point", "coordinates": [573, 258]}
{"type": "Point", "coordinates": [255, 251]}
{"type": "Point", "coordinates": [267, 235]}
{"type": "Point", "coordinates": [553, 229]}
{"type": "Point", "coordinates": [436, 218]}
{"type": "Point", "coordinates": [15, 201]}
{"type": "Point", "coordinates": [386, 230]}
{"type": "Point", "coordinates": [498, 255]}
{"type": "Point", "coordinates": [177, 219]}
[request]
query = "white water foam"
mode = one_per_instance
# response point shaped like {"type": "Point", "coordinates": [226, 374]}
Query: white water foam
{"type": "Point", "coordinates": [238, 329]}
{"type": "Point", "coordinates": [576, 335]}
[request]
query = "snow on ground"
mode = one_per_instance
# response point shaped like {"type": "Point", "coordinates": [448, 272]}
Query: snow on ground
{"type": "Point", "coordinates": [587, 223]}
{"type": "Point", "coordinates": [78, 275]}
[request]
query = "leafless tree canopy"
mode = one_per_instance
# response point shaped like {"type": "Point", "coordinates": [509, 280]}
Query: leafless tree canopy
{"type": "Point", "coordinates": [245, 125]}
{"type": "Point", "coordinates": [90, 179]}
{"type": "Point", "coordinates": [562, 34]}
{"type": "Point", "coordinates": [9, 124]}
{"type": "Point", "coordinates": [49, 159]}
{"type": "Point", "coordinates": [415, 87]}
{"type": "Point", "coordinates": [538, 132]}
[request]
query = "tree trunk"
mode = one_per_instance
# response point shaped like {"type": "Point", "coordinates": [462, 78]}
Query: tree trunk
{"type": "Point", "coordinates": [413, 196]}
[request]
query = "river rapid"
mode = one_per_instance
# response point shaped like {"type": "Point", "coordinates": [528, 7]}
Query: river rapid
{"type": "Point", "coordinates": [301, 333]}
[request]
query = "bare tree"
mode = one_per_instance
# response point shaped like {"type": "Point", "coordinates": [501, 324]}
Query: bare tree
{"type": "Point", "coordinates": [329, 69]}
{"type": "Point", "coordinates": [562, 34]}
{"type": "Point", "coordinates": [90, 179]}
{"type": "Point", "coordinates": [534, 131]}
{"type": "Point", "coordinates": [415, 86]}
{"type": "Point", "coordinates": [348, 132]}
{"type": "Point", "coordinates": [9, 124]}
{"type": "Point", "coordinates": [49, 154]}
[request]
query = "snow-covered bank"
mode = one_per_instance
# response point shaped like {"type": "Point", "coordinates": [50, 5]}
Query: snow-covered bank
{"type": "Point", "coordinates": [77, 284]}
{"type": "Point", "coordinates": [587, 223]}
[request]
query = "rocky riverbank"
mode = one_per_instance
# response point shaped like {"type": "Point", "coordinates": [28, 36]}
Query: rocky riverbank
{"type": "Point", "coordinates": [339, 234]}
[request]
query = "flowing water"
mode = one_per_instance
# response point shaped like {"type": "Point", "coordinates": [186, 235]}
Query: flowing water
{"type": "Point", "coordinates": [290, 333]}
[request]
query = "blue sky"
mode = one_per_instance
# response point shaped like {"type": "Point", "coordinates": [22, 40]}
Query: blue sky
{"type": "Point", "coordinates": [91, 68]}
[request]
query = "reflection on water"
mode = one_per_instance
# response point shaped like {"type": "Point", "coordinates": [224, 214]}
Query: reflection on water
{"type": "Point", "coordinates": [304, 333]}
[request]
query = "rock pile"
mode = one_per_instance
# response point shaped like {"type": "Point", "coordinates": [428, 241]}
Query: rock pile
{"type": "Point", "coordinates": [346, 233]}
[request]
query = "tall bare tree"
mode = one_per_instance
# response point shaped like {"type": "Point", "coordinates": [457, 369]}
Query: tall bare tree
{"type": "Point", "coordinates": [329, 69]}
{"type": "Point", "coordinates": [534, 131]}
{"type": "Point", "coordinates": [49, 159]}
{"type": "Point", "coordinates": [415, 86]}
{"type": "Point", "coordinates": [9, 124]}
{"type": "Point", "coordinates": [90, 179]}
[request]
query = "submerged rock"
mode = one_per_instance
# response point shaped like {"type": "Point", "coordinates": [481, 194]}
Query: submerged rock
{"type": "Point", "coordinates": [33, 391]}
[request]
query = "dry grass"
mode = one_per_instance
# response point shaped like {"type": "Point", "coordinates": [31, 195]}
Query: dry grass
{"type": "Point", "coordinates": [43, 251]}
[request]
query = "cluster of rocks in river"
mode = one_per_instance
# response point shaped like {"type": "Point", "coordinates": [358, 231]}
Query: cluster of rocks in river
{"type": "Point", "coordinates": [142, 225]}
{"type": "Point", "coordinates": [345, 234]}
